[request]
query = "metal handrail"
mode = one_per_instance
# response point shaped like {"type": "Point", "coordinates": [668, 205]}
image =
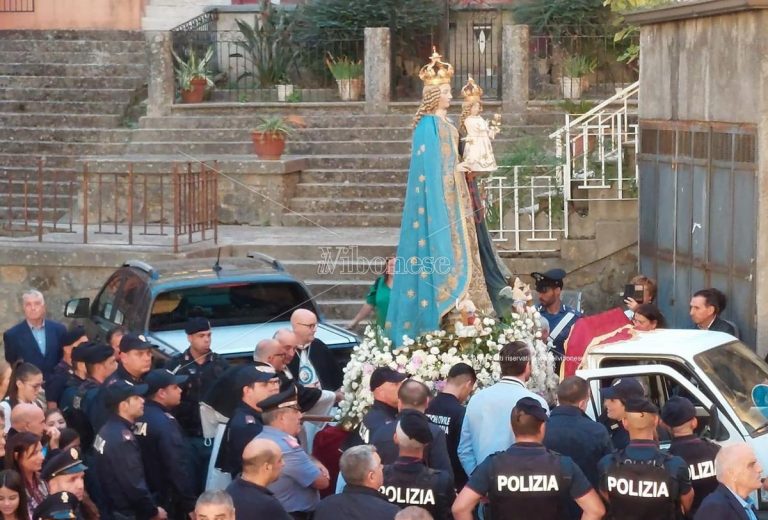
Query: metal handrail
{"type": "Point", "coordinates": [623, 95]}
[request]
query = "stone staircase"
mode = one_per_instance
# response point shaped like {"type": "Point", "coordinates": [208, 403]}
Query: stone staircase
{"type": "Point", "coordinates": [162, 15]}
{"type": "Point", "coordinates": [63, 94]}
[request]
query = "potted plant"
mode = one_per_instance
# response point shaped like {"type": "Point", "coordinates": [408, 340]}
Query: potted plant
{"type": "Point", "coordinates": [575, 68]}
{"type": "Point", "coordinates": [193, 75]}
{"type": "Point", "coordinates": [269, 137]}
{"type": "Point", "coordinates": [348, 75]}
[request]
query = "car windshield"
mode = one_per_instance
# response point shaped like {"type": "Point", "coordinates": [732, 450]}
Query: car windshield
{"type": "Point", "coordinates": [228, 304]}
{"type": "Point", "coordinates": [741, 377]}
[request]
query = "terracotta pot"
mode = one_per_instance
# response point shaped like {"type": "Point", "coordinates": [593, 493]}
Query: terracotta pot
{"type": "Point", "coordinates": [268, 146]}
{"type": "Point", "coordinates": [196, 93]}
{"type": "Point", "coordinates": [350, 89]}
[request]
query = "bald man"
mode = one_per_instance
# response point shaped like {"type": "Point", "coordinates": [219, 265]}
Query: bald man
{"type": "Point", "coordinates": [738, 474]}
{"type": "Point", "coordinates": [28, 417]}
{"type": "Point", "coordinates": [262, 465]}
{"type": "Point", "coordinates": [270, 352]}
{"type": "Point", "coordinates": [314, 364]}
{"type": "Point", "coordinates": [288, 340]}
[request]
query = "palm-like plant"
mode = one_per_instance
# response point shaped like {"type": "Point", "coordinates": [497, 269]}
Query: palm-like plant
{"type": "Point", "coordinates": [269, 48]}
{"type": "Point", "coordinates": [193, 68]}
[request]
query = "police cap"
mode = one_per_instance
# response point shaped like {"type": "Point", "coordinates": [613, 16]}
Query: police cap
{"type": "Point", "coordinates": [92, 353]}
{"type": "Point", "coordinates": [383, 375]}
{"type": "Point", "coordinates": [285, 399]}
{"type": "Point", "coordinates": [547, 279]}
{"type": "Point", "coordinates": [640, 405]}
{"type": "Point", "coordinates": [415, 425]}
{"type": "Point", "coordinates": [623, 388]}
{"type": "Point", "coordinates": [250, 374]}
{"type": "Point", "coordinates": [72, 335]}
{"type": "Point", "coordinates": [195, 325]}
{"type": "Point", "coordinates": [121, 390]}
{"type": "Point", "coordinates": [63, 462]}
{"type": "Point", "coordinates": [678, 411]}
{"type": "Point", "coordinates": [134, 342]}
{"type": "Point", "coordinates": [161, 378]}
{"type": "Point", "coordinates": [531, 406]}
{"type": "Point", "coordinates": [57, 506]}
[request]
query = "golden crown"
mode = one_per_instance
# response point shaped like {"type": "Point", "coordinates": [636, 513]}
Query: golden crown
{"type": "Point", "coordinates": [471, 91]}
{"type": "Point", "coordinates": [436, 72]}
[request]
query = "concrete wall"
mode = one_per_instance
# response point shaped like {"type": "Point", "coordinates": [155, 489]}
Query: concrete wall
{"type": "Point", "coordinates": [78, 14]}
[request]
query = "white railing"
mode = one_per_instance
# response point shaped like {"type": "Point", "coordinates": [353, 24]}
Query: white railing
{"type": "Point", "coordinates": [525, 208]}
{"type": "Point", "coordinates": [592, 149]}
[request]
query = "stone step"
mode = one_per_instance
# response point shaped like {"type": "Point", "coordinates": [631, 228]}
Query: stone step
{"type": "Point", "coordinates": [64, 107]}
{"type": "Point", "coordinates": [360, 271]}
{"type": "Point", "coordinates": [309, 134]}
{"type": "Point", "coordinates": [65, 94]}
{"type": "Point", "coordinates": [331, 220]}
{"type": "Point", "coordinates": [74, 135]}
{"type": "Point", "coordinates": [31, 159]}
{"type": "Point", "coordinates": [339, 109]}
{"type": "Point", "coordinates": [71, 46]}
{"type": "Point", "coordinates": [340, 289]}
{"type": "Point", "coordinates": [94, 57]}
{"type": "Point", "coordinates": [60, 147]}
{"type": "Point", "coordinates": [68, 69]}
{"type": "Point", "coordinates": [344, 206]}
{"type": "Point", "coordinates": [349, 190]}
{"type": "Point", "coordinates": [347, 176]}
{"type": "Point", "coordinates": [55, 35]}
{"type": "Point", "coordinates": [385, 162]}
{"type": "Point", "coordinates": [334, 255]}
{"type": "Point", "coordinates": [339, 309]}
{"type": "Point", "coordinates": [292, 147]}
{"type": "Point", "coordinates": [70, 82]}
{"type": "Point", "coordinates": [36, 119]}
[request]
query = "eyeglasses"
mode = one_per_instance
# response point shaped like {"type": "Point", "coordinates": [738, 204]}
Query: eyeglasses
{"type": "Point", "coordinates": [309, 325]}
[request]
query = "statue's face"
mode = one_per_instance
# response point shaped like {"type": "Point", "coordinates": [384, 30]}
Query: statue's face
{"type": "Point", "coordinates": [474, 109]}
{"type": "Point", "coordinates": [445, 97]}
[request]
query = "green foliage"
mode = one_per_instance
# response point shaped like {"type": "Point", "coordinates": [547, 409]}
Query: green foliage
{"type": "Point", "coordinates": [344, 68]}
{"type": "Point", "coordinates": [576, 107]}
{"type": "Point", "coordinates": [192, 68]}
{"type": "Point", "coordinates": [269, 47]}
{"type": "Point", "coordinates": [577, 66]}
{"type": "Point", "coordinates": [294, 97]}
{"type": "Point", "coordinates": [562, 18]}
{"type": "Point", "coordinates": [275, 125]}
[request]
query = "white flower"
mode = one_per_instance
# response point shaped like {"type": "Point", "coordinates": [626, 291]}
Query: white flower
{"type": "Point", "coordinates": [434, 350]}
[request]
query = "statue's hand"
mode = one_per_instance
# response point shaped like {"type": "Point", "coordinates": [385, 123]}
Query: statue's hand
{"type": "Point", "coordinates": [463, 167]}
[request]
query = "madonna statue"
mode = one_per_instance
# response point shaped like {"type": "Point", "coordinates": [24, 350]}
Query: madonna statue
{"type": "Point", "coordinates": [438, 261]}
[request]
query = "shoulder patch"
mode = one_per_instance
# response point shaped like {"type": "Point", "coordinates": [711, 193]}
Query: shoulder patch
{"type": "Point", "coordinates": [249, 419]}
{"type": "Point", "coordinates": [127, 435]}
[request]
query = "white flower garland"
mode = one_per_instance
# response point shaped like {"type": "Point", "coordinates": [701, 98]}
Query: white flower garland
{"type": "Point", "coordinates": [429, 357]}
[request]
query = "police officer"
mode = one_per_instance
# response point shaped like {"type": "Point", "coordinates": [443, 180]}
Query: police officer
{"type": "Point", "coordinates": [527, 480]}
{"type": "Point", "coordinates": [641, 481]}
{"type": "Point", "coordinates": [559, 316]}
{"type": "Point", "coordinates": [57, 381]}
{"type": "Point", "coordinates": [163, 449]}
{"type": "Point", "coordinates": [202, 367]}
{"type": "Point", "coordinates": [680, 415]}
{"type": "Point", "coordinates": [75, 379]}
{"type": "Point", "coordinates": [384, 383]}
{"type": "Point", "coordinates": [408, 481]}
{"type": "Point", "coordinates": [135, 359]}
{"type": "Point", "coordinates": [118, 457]}
{"type": "Point", "coordinates": [614, 400]}
{"type": "Point", "coordinates": [255, 384]}
{"type": "Point", "coordinates": [64, 470]}
{"type": "Point", "coordinates": [57, 506]}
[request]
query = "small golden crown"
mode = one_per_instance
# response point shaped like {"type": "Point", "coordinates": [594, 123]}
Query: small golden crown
{"type": "Point", "coordinates": [471, 91]}
{"type": "Point", "coordinates": [436, 72]}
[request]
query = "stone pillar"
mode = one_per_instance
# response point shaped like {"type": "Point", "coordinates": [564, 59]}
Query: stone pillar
{"type": "Point", "coordinates": [161, 88]}
{"type": "Point", "coordinates": [514, 62]}
{"type": "Point", "coordinates": [378, 76]}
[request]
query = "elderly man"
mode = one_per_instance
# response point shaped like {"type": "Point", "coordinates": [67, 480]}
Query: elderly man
{"type": "Point", "coordinates": [288, 340]}
{"type": "Point", "coordinates": [360, 499]}
{"type": "Point", "coordinates": [214, 505]}
{"type": "Point", "coordinates": [36, 340]}
{"type": "Point", "coordinates": [262, 464]}
{"type": "Point", "coordinates": [301, 478]}
{"type": "Point", "coordinates": [738, 473]}
{"type": "Point", "coordinates": [27, 417]}
{"type": "Point", "coordinates": [314, 364]}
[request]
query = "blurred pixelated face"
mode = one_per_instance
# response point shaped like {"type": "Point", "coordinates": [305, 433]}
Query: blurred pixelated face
{"type": "Point", "coordinates": [444, 101]}
{"type": "Point", "coordinates": [214, 512]}
{"type": "Point", "coordinates": [614, 408]}
{"type": "Point", "coordinates": [74, 483]}
{"type": "Point", "coordinates": [700, 312]}
{"type": "Point", "coordinates": [56, 420]}
{"type": "Point", "coordinates": [137, 362]}
{"type": "Point", "coordinates": [200, 342]}
{"type": "Point", "coordinates": [9, 502]}
{"type": "Point", "coordinates": [34, 308]}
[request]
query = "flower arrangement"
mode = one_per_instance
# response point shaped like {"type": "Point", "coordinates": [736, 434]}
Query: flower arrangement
{"type": "Point", "coordinates": [430, 356]}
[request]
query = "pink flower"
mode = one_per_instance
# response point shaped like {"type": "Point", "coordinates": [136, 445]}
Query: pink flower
{"type": "Point", "coordinates": [416, 362]}
{"type": "Point", "coordinates": [368, 369]}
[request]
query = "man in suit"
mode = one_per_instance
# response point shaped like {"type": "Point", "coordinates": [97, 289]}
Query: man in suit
{"type": "Point", "coordinates": [706, 306]}
{"type": "Point", "coordinates": [314, 364]}
{"type": "Point", "coordinates": [738, 473]}
{"type": "Point", "coordinates": [36, 340]}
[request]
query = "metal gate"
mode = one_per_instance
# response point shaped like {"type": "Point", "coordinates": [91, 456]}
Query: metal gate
{"type": "Point", "coordinates": [698, 208]}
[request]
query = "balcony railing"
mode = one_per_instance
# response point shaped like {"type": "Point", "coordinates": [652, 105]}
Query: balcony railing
{"type": "Point", "coordinates": [17, 6]}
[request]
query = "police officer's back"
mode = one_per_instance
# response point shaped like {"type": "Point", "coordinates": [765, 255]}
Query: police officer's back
{"type": "Point", "coordinates": [640, 481]}
{"type": "Point", "coordinates": [408, 481]}
{"type": "Point", "coordinates": [118, 458]}
{"type": "Point", "coordinates": [680, 415]}
{"type": "Point", "coordinates": [163, 449]}
{"type": "Point", "coordinates": [202, 368]}
{"type": "Point", "coordinates": [570, 432]}
{"type": "Point", "coordinates": [527, 480]}
{"type": "Point", "coordinates": [413, 397]}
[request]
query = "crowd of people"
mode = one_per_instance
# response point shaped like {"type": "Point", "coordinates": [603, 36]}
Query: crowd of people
{"type": "Point", "coordinates": [91, 430]}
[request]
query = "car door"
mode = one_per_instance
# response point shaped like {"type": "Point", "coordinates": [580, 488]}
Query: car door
{"type": "Point", "coordinates": [104, 309]}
